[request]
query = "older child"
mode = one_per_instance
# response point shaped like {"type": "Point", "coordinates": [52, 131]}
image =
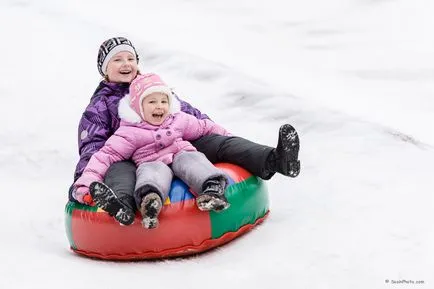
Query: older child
{"type": "Point", "coordinates": [155, 133]}
{"type": "Point", "coordinates": [118, 64]}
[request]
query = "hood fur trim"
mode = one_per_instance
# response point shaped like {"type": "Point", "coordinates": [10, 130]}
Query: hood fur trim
{"type": "Point", "coordinates": [126, 112]}
{"type": "Point", "coordinates": [175, 104]}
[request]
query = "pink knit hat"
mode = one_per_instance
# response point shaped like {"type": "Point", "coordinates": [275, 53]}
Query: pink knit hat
{"type": "Point", "coordinates": [146, 84]}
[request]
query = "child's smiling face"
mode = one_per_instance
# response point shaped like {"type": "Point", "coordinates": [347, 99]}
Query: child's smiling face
{"type": "Point", "coordinates": [122, 67]}
{"type": "Point", "coordinates": [155, 108]}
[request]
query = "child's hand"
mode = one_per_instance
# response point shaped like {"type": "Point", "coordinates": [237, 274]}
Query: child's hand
{"type": "Point", "coordinates": [81, 194]}
{"type": "Point", "coordinates": [87, 199]}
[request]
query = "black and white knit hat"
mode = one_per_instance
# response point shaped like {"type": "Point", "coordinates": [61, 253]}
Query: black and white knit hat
{"type": "Point", "coordinates": [109, 48]}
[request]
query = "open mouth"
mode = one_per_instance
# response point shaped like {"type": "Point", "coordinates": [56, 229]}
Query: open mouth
{"type": "Point", "coordinates": [126, 72]}
{"type": "Point", "coordinates": [158, 115]}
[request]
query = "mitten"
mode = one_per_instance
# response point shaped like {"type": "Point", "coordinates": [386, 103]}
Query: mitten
{"type": "Point", "coordinates": [81, 194]}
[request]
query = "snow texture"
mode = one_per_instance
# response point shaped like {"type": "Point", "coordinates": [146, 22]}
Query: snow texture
{"type": "Point", "coordinates": [355, 77]}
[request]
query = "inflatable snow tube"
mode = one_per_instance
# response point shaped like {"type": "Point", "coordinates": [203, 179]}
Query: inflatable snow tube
{"type": "Point", "coordinates": [183, 229]}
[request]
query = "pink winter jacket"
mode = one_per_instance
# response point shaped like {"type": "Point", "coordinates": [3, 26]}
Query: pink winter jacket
{"type": "Point", "coordinates": [143, 142]}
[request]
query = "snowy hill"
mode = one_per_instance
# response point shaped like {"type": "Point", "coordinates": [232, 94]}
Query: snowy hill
{"type": "Point", "coordinates": [356, 78]}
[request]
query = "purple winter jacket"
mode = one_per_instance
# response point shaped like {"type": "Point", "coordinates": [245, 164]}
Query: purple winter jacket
{"type": "Point", "coordinates": [100, 120]}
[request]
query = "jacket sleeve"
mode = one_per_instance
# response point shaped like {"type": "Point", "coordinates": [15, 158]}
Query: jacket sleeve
{"type": "Point", "coordinates": [196, 128]}
{"type": "Point", "coordinates": [189, 109]}
{"type": "Point", "coordinates": [120, 146]}
{"type": "Point", "coordinates": [93, 131]}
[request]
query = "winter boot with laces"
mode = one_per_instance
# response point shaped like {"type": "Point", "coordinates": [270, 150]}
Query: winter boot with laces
{"type": "Point", "coordinates": [284, 158]}
{"type": "Point", "coordinates": [106, 199]}
{"type": "Point", "coordinates": [150, 209]}
{"type": "Point", "coordinates": [213, 196]}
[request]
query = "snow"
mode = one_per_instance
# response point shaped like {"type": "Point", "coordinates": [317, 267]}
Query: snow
{"type": "Point", "coordinates": [355, 77]}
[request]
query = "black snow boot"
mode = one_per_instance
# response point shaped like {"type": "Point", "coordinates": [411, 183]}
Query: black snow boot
{"type": "Point", "coordinates": [284, 158]}
{"type": "Point", "coordinates": [213, 196]}
{"type": "Point", "coordinates": [106, 199]}
{"type": "Point", "coordinates": [150, 208]}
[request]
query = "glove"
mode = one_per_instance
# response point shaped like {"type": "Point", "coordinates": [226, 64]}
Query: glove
{"type": "Point", "coordinates": [81, 194]}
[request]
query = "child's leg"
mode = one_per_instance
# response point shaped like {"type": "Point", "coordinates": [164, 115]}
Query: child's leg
{"type": "Point", "coordinates": [115, 195]}
{"type": "Point", "coordinates": [152, 176]}
{"type": "Point", "coordinates": [262, 161]}
{"type": "Point", "coordinates": [121, 178]}
{"type": "Point", "coordinates": [205, 180]}
{"type": "Point", "coordinates": [235, 150]}
{"type": "Point", "coordinates": [152, 189]}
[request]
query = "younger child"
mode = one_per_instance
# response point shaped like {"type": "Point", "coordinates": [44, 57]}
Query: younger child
{"type": "Point", "coordinates": [155, 134]}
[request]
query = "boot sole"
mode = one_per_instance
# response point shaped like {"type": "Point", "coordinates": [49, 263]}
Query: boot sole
{"type": "Point", "coordinates": [211, 203]}
{"type": "Point", "coordinates": [289, 142]}
{"type": "Point", "coordinates": [106, 199]}
{"type": "Point", "coordinates": [150, 223]}
{"type": "Point", "coordinates": [150, 212]}
{"type": "Point", "coordinates": [288, 139]}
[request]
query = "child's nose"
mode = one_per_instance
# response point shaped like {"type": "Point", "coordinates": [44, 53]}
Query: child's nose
{"type": "Point", "coordinates": [125, 62]}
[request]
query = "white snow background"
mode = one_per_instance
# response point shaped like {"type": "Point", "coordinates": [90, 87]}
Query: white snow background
{"type": "Point", "coordinates": [355, 77]}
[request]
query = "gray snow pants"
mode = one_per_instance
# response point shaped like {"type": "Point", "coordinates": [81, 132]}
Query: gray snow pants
{"type": "Point", "coordinates": [193, 168]}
